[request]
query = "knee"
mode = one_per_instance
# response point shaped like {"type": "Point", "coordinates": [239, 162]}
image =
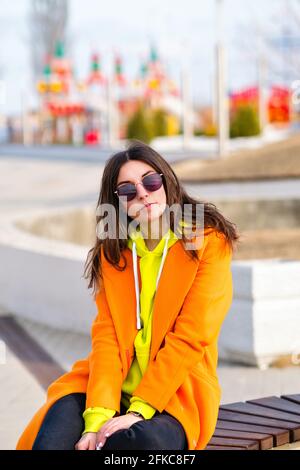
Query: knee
{"type": "Point", "coordinates": [62, 423]}
{"type": "Point", "coordinates": [72, 398]}
{"type": "Point", "coordinates": [48, 441]}
{"type": "Point", "coordinates": [133, 438]}
{"type": "Point", "coordinates": [41, 444]}
{"type": "Point", "coordinates": [145, 439]}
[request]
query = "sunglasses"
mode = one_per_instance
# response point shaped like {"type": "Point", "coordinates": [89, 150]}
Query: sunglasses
{"type": "Point", "coordinates": [150, 182]}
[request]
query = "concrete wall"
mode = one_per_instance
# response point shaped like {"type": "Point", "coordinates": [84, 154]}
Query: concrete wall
{"type": "Point", "coordinates": [260, 214]}
{"type": "Point", "coordinates": [42, 279]}
{"type": "Point", "coordinates": [263, 324]}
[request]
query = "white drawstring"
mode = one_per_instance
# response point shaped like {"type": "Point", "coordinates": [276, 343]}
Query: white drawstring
{"type": "Point", "coordinates": [137, 289]}
{"type": "Point", "coordinates": [136, 278]}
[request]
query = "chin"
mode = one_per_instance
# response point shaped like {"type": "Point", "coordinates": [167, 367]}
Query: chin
{"type": "Point", "coordinates": [155, 214]}
{"type": "Point", "coordinates": [144, 219]}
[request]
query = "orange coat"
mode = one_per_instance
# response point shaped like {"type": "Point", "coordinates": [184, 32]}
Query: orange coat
{"type": "Point", "coordinates": [191, 302]}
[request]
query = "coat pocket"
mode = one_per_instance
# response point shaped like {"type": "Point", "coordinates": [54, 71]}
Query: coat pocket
{"type": "Point", "coordinates": [212, 379]}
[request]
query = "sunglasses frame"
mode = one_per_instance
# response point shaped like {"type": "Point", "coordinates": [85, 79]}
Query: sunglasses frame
{"type": "Point", "coordinates": [134, 184]}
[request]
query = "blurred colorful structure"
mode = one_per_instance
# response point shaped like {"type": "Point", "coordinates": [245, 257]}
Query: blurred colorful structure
{"type": "Point", "coordinates": [278, 104]}
{"type": "Point", "coordinates": [99, 108]}
{"type": "Point", "coordinates": [61, 109]}
{"type": "Point", "coordinates": [80, 111]}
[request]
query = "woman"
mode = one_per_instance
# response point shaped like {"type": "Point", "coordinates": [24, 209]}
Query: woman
{"type": "Point", "coordinates": [150, 379]}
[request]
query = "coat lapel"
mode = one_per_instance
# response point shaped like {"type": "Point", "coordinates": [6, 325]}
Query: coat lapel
{"type": "Point", "coordinates": [176, 279]}
{"type": "Point", "coordinates": [120, 294]}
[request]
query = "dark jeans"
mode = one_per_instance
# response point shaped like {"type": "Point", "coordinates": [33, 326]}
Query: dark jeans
{"type": "Point", "coordinates": [63, 425]}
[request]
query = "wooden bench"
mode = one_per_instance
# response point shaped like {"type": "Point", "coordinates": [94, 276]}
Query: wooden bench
{"type": "Point", "coordinates": [269, 423]}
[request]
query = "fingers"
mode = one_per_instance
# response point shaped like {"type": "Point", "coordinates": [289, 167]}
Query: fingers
{"type": "Point", "coordinates": [104, 432]}
{"type": "Point", "coordinates": [101, 439]}
{"type": "Point", "coordinates": [81, 446]}
{"type": "Point", "coordinates": [113, 425]}
{"type": "Point", "coordinates": [92, 444]}
{"type": "Point", "coordinates": [87, 442]}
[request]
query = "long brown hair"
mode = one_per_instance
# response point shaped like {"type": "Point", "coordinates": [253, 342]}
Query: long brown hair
{"type": "Point", "coordinates": [175, 194]}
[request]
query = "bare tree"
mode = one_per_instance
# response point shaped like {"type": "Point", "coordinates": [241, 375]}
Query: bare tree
{"type": "Point", "coordinates": [276, 39]}
{"type": "Point", "coordinates": [284, 42]}
{"type": "Point", "coordinates": [48, 24]}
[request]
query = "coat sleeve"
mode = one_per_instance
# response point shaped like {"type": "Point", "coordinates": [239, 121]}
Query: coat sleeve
{"type": "Point", "coordinates": [95, 418]}
{"type": "Point", "coordinates": [105, 365]}
{"type": "Point", "coordinates": [139, 405]}
{"type": "Point", "coordinates": [197, 325]}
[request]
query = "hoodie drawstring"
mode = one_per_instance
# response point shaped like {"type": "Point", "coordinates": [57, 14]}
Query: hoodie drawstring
{"type": "Point", "coordinates": [136, 284]}
{"type": "Point", "coordinates": [136, 277]}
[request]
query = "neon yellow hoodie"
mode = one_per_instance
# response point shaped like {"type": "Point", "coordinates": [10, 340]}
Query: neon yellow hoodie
{"type": "Point", "coordinates": [151, 264]}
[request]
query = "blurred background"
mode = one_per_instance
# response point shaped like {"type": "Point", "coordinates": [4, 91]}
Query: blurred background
{"type": "Point", "coordinates": [215, 88]}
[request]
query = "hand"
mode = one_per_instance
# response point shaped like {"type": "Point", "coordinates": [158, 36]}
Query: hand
{"type": "Point", "coordinates": [113, 425]}
{"type": "Point", "coordinates": [87, 441]}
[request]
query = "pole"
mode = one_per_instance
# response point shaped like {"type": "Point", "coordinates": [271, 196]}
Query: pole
{"type": "Point", "coordinates": [262, 92]}
{"type": "Point", "coordinates": [113, 115]}
{"type": "Point", "coordinates": [222, 99]}
{"type": "Point", "coordinates": [261, 78]}
{"type": "Point", "coordinates": [25, 120]}
{"type": "Point", "coordinates": [186, 108]}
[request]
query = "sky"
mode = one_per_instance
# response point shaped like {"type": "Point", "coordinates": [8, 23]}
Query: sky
{"type": "Point", "coordinates": [183, 31]}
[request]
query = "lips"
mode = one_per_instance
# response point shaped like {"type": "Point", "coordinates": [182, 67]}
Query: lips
{"type": "Point", "coordinates": [146, 206]}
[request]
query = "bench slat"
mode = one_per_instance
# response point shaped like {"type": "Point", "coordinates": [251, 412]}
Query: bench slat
{"type": "Point", "coordinates": [280, 436]}
{"type": "Point", "coordinates": [293, 428]}
{"type": "Point", "coordinates": [265, 441]}
{"type": "Point", "coordinates": [277, 403]}
{"type": "Point", "coordinates": [295, 398]}
{"type": "Point", "coordinates": [212, 447]}
{"type": "Point", "coordinates": [249, 408]}
{"type": "Point", "coordinates": [245, 444]}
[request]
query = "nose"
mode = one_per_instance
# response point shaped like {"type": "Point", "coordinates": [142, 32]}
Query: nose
{"type": "Point", "coordinates": [140, 191]}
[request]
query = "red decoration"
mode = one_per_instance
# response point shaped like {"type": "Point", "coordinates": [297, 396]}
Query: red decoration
{"type": "Point", "coordinates": [92, 137]}
{"type": "Point", "coordinates": [249, 96]}
{"type": "Point", "coordinates": [60, 109]}
{"type": "Point", "coordinates": [279, 105]}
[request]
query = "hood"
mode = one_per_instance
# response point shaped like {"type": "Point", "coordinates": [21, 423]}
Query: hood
{"type": "Point", "coordinates": [139, 248]}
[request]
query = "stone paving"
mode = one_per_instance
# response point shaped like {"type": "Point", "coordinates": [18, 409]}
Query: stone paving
{"type": "Point", "coordinates": [20, 397]}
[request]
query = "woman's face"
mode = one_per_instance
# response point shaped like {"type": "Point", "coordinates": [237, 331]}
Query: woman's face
{"type": "Point", "coordinates": [133, 171]}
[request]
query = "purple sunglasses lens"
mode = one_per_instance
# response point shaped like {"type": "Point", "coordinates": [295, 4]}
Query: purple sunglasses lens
{"type": "Point", "coordinates": [128, 190]}
{"type": "Point", "coordinates": [150, 182]}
